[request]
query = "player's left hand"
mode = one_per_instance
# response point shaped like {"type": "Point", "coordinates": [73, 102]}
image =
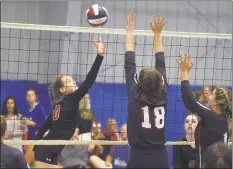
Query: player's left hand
{"type": "Point", "coordinates": [130, 23]}
{"type": "Point", "coordinates": [185, 63]}
{"type": "Point", "coordinates": [158, 24]}
{"type": "Point", "coordinates": [100, 46]}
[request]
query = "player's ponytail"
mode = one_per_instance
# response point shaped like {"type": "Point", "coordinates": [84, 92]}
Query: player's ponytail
{"type": "Point", "coordinates": [224, 99]}
{"type": "Point", "coordinates": [54, 90]}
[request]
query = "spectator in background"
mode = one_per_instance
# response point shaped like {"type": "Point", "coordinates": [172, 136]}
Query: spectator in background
{"type": "Point", "coordinates": [86, 122]}
{"type": "Point", "coordinates": [185, 156]}
{"type": "Point", "coordinates": [120, 154]}
{"type": "Point", "coordinates": [37, 114]}
{"type": "Point", "coordinates": [218, 155]}
{"type": "Point", "coordinates": [100, 154]}
{"type": "Point", "coordinates": [16, 123]}
{"type": "Point", "coordinates": [197, 95]}
{"type": "Point", "coordinates": [206, 93]}
{"type": "Point", "coordinates": [123, 133]}
{"type": "Point", "coordinates": [10, 157]}
{"type": "Point", "coordinates": [111, 131]}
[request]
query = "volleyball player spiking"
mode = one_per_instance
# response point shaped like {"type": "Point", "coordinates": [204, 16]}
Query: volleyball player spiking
{"type": "Point", "coordinates": [64, 118]}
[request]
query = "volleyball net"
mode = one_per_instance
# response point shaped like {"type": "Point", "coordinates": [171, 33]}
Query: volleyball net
{"type": "Point", "coordinates": [32, 55]}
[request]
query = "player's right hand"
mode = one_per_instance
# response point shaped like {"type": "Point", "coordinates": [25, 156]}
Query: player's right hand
{"type": "Point", "coordinates": [185, 63]}
{"type": "Point", "coordinates": [158, 24]}
{"type": "Point", "coordinates": [100, 46]}
{"type": "Point", "coordinates": [130, 22]}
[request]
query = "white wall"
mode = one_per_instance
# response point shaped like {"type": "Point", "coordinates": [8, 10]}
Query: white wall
{"type": "Point", "coordinates": [74, 54]}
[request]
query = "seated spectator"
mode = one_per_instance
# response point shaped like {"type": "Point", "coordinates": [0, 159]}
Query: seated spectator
{"type": "Point", "coordinates": [16, 123]}
{"type": "Point", "coordinates": [120, 153]}
{"type": "Point", "coordinates": [85, 125]}
{"type": "Point", "coordinates": [123, 133]}
{"type": "Point", "coordinates": [100, 154]}
{"type": "Point", "coordinates": [111, 131]}
{"type": "Point", "coordinates": [185, 156]}
{"type": "Point", "coordinates": [218, 155]}
{"type": "Point", "coordinates": [10, 157]}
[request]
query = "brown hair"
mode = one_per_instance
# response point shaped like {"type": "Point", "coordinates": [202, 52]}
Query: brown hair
{"type": "Point", "coordinates": [150, 80]}
{"type": "Point", "coordinates": [3, 126]}
{"type": "Point", "coordinates": [206, 88]}
{"type": "Point", "coordinates": [34, 92]}
{"type": "Point", "coordinates": [193, 114]}
{"type": "Point", "coordinates": [54, 89]}
{"type": "Point", "coordinates": [223, 100]}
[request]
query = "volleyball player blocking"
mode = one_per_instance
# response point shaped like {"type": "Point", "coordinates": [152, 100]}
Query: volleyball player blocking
{"type": "Point", "coordinates": [147, 102]}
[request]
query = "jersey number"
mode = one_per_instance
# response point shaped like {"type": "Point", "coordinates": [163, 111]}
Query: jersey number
{"type": "Point", "coordinates": [159, 113]}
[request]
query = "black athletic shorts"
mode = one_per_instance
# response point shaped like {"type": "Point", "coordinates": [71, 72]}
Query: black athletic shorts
{"type": "Point", "coordinates": [148, 158]}
{"type": "Point", "coordinates": [48, 154]}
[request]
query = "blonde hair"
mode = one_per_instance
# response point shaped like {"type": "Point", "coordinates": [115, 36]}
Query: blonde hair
{"type": "Point", "coordinates": [223, 100]}
{"type": "Point", "coordinates": [84, 109]}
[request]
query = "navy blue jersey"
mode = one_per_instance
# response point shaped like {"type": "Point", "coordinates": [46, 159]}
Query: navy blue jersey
{"type": "Point", "coordinates": [184, 156]}
{"type": "Point", "coordinates": [146, 114]}
{"type": "Point", "coordinates": [211, 128]}
{"type": "Point", "coordinates": [65, 117]}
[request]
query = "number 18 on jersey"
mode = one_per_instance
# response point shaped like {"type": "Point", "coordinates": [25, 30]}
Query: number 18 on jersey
{"type": "Point", "coordinates": [159, 117]}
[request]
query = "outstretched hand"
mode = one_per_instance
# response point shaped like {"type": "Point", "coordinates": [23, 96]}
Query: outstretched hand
{"type": "Point", "coordinates": [130, 22]}
{"type": "Point", "coordinates": [185, 63]}
{"type": "Point", "coordinates": [100, 46]}
{"type": "Point", "coordinates": [158, 24]}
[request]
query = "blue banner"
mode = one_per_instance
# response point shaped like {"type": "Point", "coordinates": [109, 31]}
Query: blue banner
{"type": "Point", "coordinates": [120, 156]}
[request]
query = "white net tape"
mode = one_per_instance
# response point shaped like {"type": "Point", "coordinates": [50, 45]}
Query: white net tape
{"type": "Point", "coordinates": [112, 31]}
{"type": "Point", "coordinates": [75, 142]}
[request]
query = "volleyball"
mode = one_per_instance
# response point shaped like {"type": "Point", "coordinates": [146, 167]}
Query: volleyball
{"type": "Point", "coordinates": [97, 15]}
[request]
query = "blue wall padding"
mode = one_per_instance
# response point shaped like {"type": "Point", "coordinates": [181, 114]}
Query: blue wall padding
{"type": "Point", "coordinates": [107, 100]}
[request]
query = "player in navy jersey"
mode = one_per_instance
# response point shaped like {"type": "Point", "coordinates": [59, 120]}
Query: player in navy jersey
{"type": "Point", "coordinates": [64, 119]}
{"type": "Point", "coordinates": [147, 101]}
{"type": "Point", "coordinates": [213, 126]}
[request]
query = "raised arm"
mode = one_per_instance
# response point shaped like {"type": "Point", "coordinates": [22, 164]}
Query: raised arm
{"type": "Point", "coordinates": [130, 66]}
{"type": "Point", "coordinates": [211, 119]}
{"type": "Point", "coordinates": [92, 74]}
{"type": "Point", "coordinates": [157, 27]}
